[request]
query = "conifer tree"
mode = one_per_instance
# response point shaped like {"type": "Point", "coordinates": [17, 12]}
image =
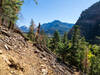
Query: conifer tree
{"type": "Point", "coordinates": [54, 41]}
{"type": "Point", "coordinates": [9, 11]}
{"type": "Point", "coordinates": [62, 51]}
{"type": "Point", "coordinates": [64, 38]}
{"type": "Point", "coordinates": [31, 31]}
{"type": "Point", "coordinates": [79, 50]}
{"type": "Point", "coordinates": [82, 55]}
{"type": "Point", "coordinates": [75, 45]}
{"type": "Point", "coordinates": [56, 37]}
{"type": "Point", "coordinates": [75, 37]}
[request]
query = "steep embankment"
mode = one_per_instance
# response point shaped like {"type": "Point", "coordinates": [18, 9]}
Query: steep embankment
{"type": "Point", "coordinates": [19, 57]}
{"type": "Point", "coordinates": [89, 23]}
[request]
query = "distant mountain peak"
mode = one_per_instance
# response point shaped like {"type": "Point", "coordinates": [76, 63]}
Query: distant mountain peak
{"type": "Point", "coordinates": [24, 28]}
{"type": "Point", "coordinates": [51, 27]}
{"type": "Point", "coordinates": [56, 21]}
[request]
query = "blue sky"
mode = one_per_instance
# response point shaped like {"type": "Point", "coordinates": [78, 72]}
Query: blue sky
{"type": "Point", "coordinates": [49, 10]}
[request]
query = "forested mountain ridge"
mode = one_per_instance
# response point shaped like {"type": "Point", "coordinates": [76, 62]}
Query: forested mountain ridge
{"type": "Point", "coordinates": [51, 27]}
{"type": "Point", "coordinates": [61, 27]}
{"type": "Point", "coordinates": [89, 23]}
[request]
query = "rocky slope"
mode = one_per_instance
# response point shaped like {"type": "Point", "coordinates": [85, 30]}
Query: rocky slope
{"type": "Point", "coordinates": [20, 57]}
{"type": "Point", "coordinates": [89, 23]}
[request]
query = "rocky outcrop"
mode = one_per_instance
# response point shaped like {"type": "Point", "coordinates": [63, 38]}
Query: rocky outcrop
{"type": "Point", "coordinates": [89, 23]}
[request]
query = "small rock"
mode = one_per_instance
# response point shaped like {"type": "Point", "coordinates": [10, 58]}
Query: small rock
{"type": "Point", "coordinates": [6, 60]}
{"type": "Point", "coordinates": [44, 59]}
{"type": "Point", "coordinates": [44, 72]}
{"type": "Point", "coordinates": [12, 72]}
{"type": "Point", "coordinates": [0, 52]}
{"type": "Point", "coordinates": [36, 51]}
{"type": "Point", "coordinates": [6, 47]}
{"type": "Point", "coordinates": [42, 65]}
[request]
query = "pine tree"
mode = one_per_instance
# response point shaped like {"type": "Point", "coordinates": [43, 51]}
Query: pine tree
{"type": "Point", "coordinates": [76, 37]}
{"type": "Point", "coordinates": [75, 45]}
{"type": "Point", "coordinates": [9, 11]}
{"type": "Point", "coordinates": [56, 37]}
{"type": "Point", "coordinates": [62, 51]}
{"type": "Point", "coordinates": [54, 41]}
{"type": "Point", "coordinates": [65, 38]}
{"type": "Point", "coordinates": [31, 31]}
{"type": "Point", "coordinates": [79, 51]}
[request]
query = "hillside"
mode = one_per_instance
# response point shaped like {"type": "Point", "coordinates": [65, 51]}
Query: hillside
{"type": "Point", "coordinates": [89, 23]}
{"type": "Point", "coordinates": [20, 57]}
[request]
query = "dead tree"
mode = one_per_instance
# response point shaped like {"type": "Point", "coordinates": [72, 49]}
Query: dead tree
{"type": "Point", "coordinates": [37, 34]}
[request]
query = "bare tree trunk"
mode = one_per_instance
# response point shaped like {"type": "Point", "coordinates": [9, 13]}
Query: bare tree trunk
{"type": "Point", "coordinates": [0, 21]}
{"type": "Point", "coordinates": [12, 26]}
{"type": "Point", "coordinates": [0, 12]}
{"type": "Point", "coordinates": [9, 25]}
{"type": "Point", "coordinates": [1, 4]}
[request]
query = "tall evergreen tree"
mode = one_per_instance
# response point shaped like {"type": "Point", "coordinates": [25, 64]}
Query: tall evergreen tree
{"type": "Point", "coordinates": [56, 37]}
{"type": "Point", "coordinates": [64, 37]}
{"type": "Point", "coordinates": [9, 11]}
{"type": "Point", "coordinates": [75, 37]}
{"type": "Point", "coordinates": [75, 45]}
{"type": "Point", "coordinates": [55, 40]}
{"type": "Point", "coordinates": [82, 55]}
